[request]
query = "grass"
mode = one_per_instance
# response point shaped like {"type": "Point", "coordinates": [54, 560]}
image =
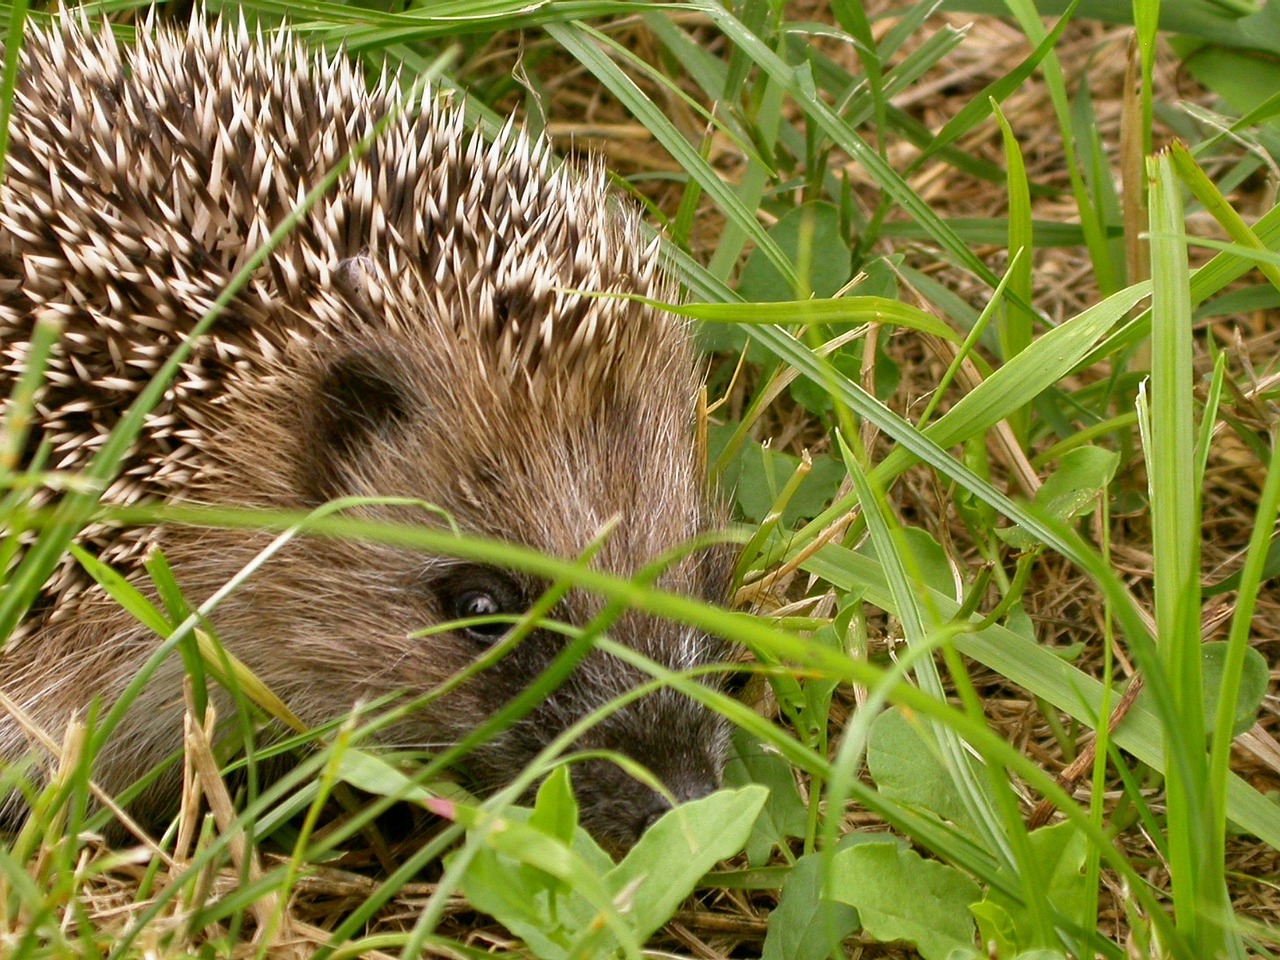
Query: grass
{"type": "Point", "coordinates": [989, 480]}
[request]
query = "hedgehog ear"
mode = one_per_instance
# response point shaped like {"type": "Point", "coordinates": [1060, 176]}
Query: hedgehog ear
{"type": "Point", "coordinates": [360, 396]}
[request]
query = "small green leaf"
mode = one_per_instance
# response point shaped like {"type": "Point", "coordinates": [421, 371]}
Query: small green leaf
{"type": "Point", "coordinates": [995, 928]}
{"type": "Point", "coordinates": [1017, 537]}
{"type": "Point", "coordinates": [1059, 852]}
{"type": "Point", "coordinates": [569, 900]}
{"type": "Point", "coordinates": [674, 854]}
{"type": "Point", "coordinates": [901, 896]}
{"type": "Point", "coordinates": [1074, 488]}
{"type": "Point", "coordinates": [815, 704]}
{"type": "Point", "coordinates": [549, 893]}
{"type": "Point", "coordinates": [905, 768]}
{"type": "Point", "coordinates": [517, 899]}
{"type": "Point", "coordinates": [757, 474]}
{"type": "Point", "coordinates": [804, 926]}
{"type": "Point", "coordinates": [1253, 685]}
{"type": "Point", "coordinates": [1243, 79]}
{"type": "Point", "coordinates": [881, 277]}
{"type": "Point", "coordinates": [810, 237]}
{"type": "Point", "coordinates": [784, 814]}
{"type": "Point", "coordinates": [372, 774]}
{"type": "Point", "coordinates": [1251, 690]}
{"type": "Point", "coordinates": [555, 811]}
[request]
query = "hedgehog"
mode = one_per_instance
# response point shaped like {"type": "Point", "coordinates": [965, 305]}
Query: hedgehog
{"type": "Point", "coordinates": [432, 330]}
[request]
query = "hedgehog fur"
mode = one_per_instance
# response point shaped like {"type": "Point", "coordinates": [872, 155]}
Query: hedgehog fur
{"type": "Point", "coordinates": [420, 334]}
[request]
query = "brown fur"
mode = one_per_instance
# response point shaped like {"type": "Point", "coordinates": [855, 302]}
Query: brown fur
{"type": "Point", "coordinates": [417, 336]}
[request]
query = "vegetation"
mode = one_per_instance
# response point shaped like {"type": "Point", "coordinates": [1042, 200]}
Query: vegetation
{"type": "Point", "coordinates": [992, 312]}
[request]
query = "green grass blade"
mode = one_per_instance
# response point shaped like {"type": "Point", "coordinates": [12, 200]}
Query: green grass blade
{"type": "Point", "coordinates": [847, 138]}
{"type": "Point", "coordinates": [1016, 320]}
{"type": "Point", "coordinates": [1046, 675]}
{"type": "Point", "coordinates": [1146, 20]}
{"type": "Point", "coordinates": [1029, 19]}
{"type": "Point", "coordinates": [1197, 885]}
{"type": "Point", "coordinates": [988, 100]}
{"type": "Point", "coordinates": [12, 47]}
{"type": "Point", "coordinates": [1203, 189]}
{"type": "Point", "coordinates": [918, 622]}
{"type": "Point", "coordinates": [581, 42]}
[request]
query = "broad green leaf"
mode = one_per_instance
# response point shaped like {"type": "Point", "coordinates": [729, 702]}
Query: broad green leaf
{"type": "Point", "coordinates": [1060, 853]}
{"type": "Point", "coordinates": [569, 917]}
{"type": "Point", "coordinates": [1242, 79]}
{"type": "Point", "coordinates": [1252, 688]}
{"type": "Point", "coordinates": [904, 768]}
{"type": "Point", "coordinates": [549, 893]}
{"type": "Point", "coordinates": [1082, 476]}
{"type": "Point", "coordinates": [517, 899]}
{"type": "Point", "coordinates": [758, 473]}
{"type": "Point", "coordinates": [1072, 490]}
{"type": "Point", "coordinates": [815, 398]}
{"type": "Point", "coordinates": [810, 236]}
{"type": "Point", "coordinates": [555, 813]}
{"type": "Point", "coordinates": [901, 896]}
{"type": "Point", "coordinates": [370, 773]}
{"type": "Point", "coordinates": [785, 814]}
{"type": "Point", "coordinates": [804, 926]}
{"type": "Point", "coordinates": [995, 928]}
{"type": "Point", "coordinates": [674, 854]}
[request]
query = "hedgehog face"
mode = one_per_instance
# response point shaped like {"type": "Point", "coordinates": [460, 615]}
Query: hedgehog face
{"type": "Point", "coordinates": [533, 462]}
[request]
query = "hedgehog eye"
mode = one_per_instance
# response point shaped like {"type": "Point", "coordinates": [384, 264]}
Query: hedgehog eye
{"type": "Point", "coordinates": [477, 603]}
{"type": "Point", "coordinates": [481, 592]}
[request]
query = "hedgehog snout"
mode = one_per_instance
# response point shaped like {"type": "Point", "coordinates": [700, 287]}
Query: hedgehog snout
{"type": "Point", "coordinates": [678, 740]}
